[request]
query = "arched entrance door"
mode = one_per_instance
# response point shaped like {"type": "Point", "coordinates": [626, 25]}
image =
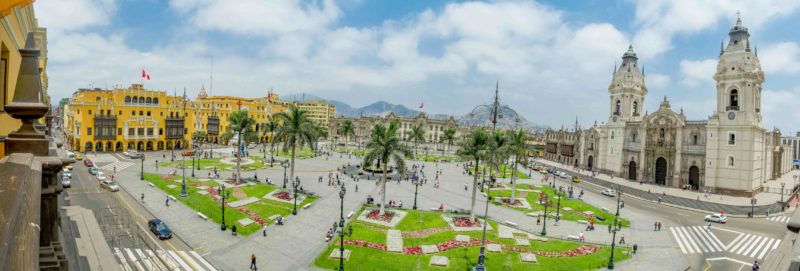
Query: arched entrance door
{"type": "Point", "coordinates": [140, 146]}
{"type": "Point", "coordinates": [131, 146]}
{"type": "Point", "coordinates": [99, 146]}
{"type": "Point", "coordinates": [88, 146]}
{"type": "Point", "coordinates": [694, 177]}
{"type": "Point", "coordinates": [661, 171]}
{"type": "Point", "coordinates": [590, 162]}
{"type": "Point", "coordinates": [149, 145]}
{"type": "Point", "coordinates": [108, 146]}
{"type": "Point", "coordinates": [632, 171]}
{"type": "Point", "coordinates": [119, 145]}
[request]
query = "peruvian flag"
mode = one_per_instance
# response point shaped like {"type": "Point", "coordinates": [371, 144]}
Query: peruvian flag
{"type": "Point", "coordinates": [145, 75]}
{"type": "Point", "coordinates": [239, 103]}
{"type": "Point", "coordinates": [421, 105]}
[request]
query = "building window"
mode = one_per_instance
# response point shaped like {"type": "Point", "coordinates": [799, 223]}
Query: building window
{"type": "Point", "coordinates": [149, 131]}
{"type": "Point", "coordinates": [130, 131]}
{"type": "Point", "coordinates": [734, 98]}
{"type": "Point", "coordinates": [120, 112]}
{"type": "Point", "coordinates": [133, 113]}
{"type": "Point", "coordinates": [731, 161]}
{"type": "Point", "coordinates": [612, 134]}
{"type": "Point", "coordinates": [90, 112]}
{"type": "Point", "coordinates": [119, 131]}
{"type": "Point", "coordinates": [135, 99]}
{"type": "Point", "coordinates": [148, 100]}
{"type": "Point", "coordinates": [661, 134]}
{"type": "Point", "coordinates": [160, 131]}
{"type": "Point", "coordinates": [617, 107]}
{"type": "Point", "coordinates": [635, 107]}
{"type": "Point", "coordinates": [140, 131]}
{"type": "Point", "coordinates": [88, 131]}
{"type": "Point", "coordinates": [148, 113]}
{"type": "Point", "coordinates": [155, 101]}
{"type": "Point", "coordinates": [127, 99]}
{"type": "Point", "coordinates": [141, 113]}
{"type": "Point", "coordinates": [633, 136]}
{"type": "Point", "coordinates": [694, 139]}
{"type": "Point", "coordinates": [731, 139]}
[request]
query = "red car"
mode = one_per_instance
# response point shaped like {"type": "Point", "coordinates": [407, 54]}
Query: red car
{"type": "Point", "coordinates": [88, 163]}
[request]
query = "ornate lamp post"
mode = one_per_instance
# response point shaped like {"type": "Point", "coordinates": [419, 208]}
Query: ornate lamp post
{"type": "Point", "coordinates": [295, 184]}
{"type": "Point", "coordinates": [198, 164]}
{"type": "Point", "coordinates": [285, 165]}
{"type": "Point", "coordinates": [223, 195]}
{"type": "Point", "coordinates": [341, 232]}
{"type": "Point", "coordinates": [615, 229]}
{"type": "Point", "coordinates": [198, 161]}
{"type": "Point", "coordinates": [416, 188]}
{"type": "Point", "coordinates": [480, 266]}
{"type": "Point", "coordinates": [183, 181]}
{"type": "Point", "coordinates": [558, 207]}
{"type": "Point", "coordinates": [783, 184]}
{"type": "Point", "coordinates": [142, 176]}
{"type": "Point", "coordinates": [544, 220]}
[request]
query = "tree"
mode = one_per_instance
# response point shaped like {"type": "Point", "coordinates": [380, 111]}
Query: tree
{"type": "Point", "coordinates": [518, 148]}
{"type": "Point", "coordinates": [498, 152]}
{"type": "Point", "coordinates": [448, 137]}
{"type": "Point", "coordinates": [347, 131]}
{"type": "Point", "coordinates": [474, 147]}
{"type": "Point", "coordinates": [270, 128]}
{"type": "Point", "coordinates": [241, 125]}
{"type": "Point", "coordinates": [417, 136]}
{"type": "Point", "coordinates": [199, 135]}
{"type": "Point", "coordinates": [385, 146]}
{"type": "Point", "coordinates": [296, 131]}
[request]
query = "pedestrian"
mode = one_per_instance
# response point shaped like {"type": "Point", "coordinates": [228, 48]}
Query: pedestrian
{"type": "Point", "coordinates": [580, 237]}
{"type": "Point", "coordinates": [756, 265]}
{"type": "Point", "coordinates": [142, 197]}
{"type": "Point", "coordinates": [655, 226]}
{"type": "Point", "coordinates": [356, 187]}
{"type": "Point", "coordinates": [708, 227]}
{"type": "Point", "coordinates": [538, 219]}
{"type": "Point", "coordinates": [466, 187]}
{"type": "Point", "coordinates": [253, 262]}
{"type": "Point", "coordinates": [609, 228]}
{"type": "Point", "coordinates": [163, 156]}
{"type": "Point", "coordinates": [167, 202]}
{"type": "Point", "coordinates": [233, 230]}
{"type": "Point", "coordinates": [621, 238]}
{"type": "Point", "coordinates": [659, 200]}
{"type": "Point", "coordinates": [659, 225]}
{"type": "Point", "coordinates": [115, 168]}
{"type": "Point", "coordinates": [264, 230]}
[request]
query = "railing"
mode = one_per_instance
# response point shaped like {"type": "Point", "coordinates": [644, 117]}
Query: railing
{"type": "Point", "coordinates": [694, 149]}
{"type": "Point", "coordinates": [732, 108]}
{"type": "Point", "coordinates": [632, 146]}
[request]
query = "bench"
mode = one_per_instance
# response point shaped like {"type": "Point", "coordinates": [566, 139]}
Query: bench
{"type": "Point", "coordinates": [435, 209]}
{"type": "Point", "coordinates": [350, 214]}
{"type": "Point", "coordinates": [204, 217]}
{"type": "Point", "coordinates": [307, 205]}
{"type": "Point", "coordinates": [274, 217]}
{"type": "Point", "coordinates": [172, 198]}
{"type": "Point", "coordinates": [573, 237]}
{"type": "Point", "coordinates": [604, 209]}
{"type": "Point", "coordinates": [512, 224]}
{"type": "Point", "coordinates": [151, 184]}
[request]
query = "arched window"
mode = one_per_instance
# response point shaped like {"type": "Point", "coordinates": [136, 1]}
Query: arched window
{"type": "Point", "coordinates": [694, 139]}
{"type": "Point", "coordinates": [633, 136]}
{"type": "Point", "coordinates": [731, 161]}
{"type": "Point", "coordinates": [127, 99]}
{"type": "Point", "coordinates": [155, 101]}
{"type": "Point", "coordinates": [617, 107]}
{"type": "Point", "coordinates": [135, 99]}
{"type": "Point", "coordinates": [635, 107]}
{"type": "Point", "coordinates": [731, 139]}
{"type": "Point", "coordinates": [148, 100]}
{"type": "Point", "coordinates": [734, 99]}
{"type": "Point", "coordinates": [661, 134]}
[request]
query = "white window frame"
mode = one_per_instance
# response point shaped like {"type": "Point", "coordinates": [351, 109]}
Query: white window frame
{"type": "Point", "coordinates": [728, 139]}
{"type": "Point", "coordinates": [728, 160]}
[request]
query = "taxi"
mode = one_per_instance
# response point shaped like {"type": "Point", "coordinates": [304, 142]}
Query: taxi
{"type": "Point", "coordinates": [576, 179]}
{"type": "Point", "coordinates": [78, 157]}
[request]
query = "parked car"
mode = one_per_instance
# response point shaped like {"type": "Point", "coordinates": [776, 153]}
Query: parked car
{"type": "Point", "coordinates": [719, 218]}
{"type": "Point", "coordinates": [78, 157]}
{"type": "Point", "coordinates": [68, 167]}
{"type": "Point", "coordinates": [93, 170]}
{"type": "Point", "coordinates": [576, 179]}
{"type": "Point", "coordinates": [100, 176]}
{"type": "Point", "coordinates": [126, 153]}
{"type": "Point", "coordinates": [135, 155]}
{"type": "Point", "coordinates": [65, 182]}
{"type": "Point", "coordinates": [159, 228]}
{"type": "Point", "coordinates": [66, 174]}
{"type": "Point", "coordinates": [88, 163]}
{"type": "Point", "coordinates": [112, 186]}
{"type": "Point", "coordinates": [610, 192]}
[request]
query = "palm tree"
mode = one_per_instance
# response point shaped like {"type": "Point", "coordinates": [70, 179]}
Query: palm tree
{"type": "Point", "coordinates": [241, 125]}
{"type": "Point", "coordinates": [448, 137]}
{"type": "Point", "coordinates": [474, 147]}
{"type": "Point", "coordinates": [385, 146]}
{"type": "Point", "coordinates": [199, 135]}
{"type": "Point", "coordinates": [270, 128]}
{"type": "Point", "coordinates": [498, 152]}
{"type": "Point", "coordinates": [518, 148]}
{"type": "Point", "coordinates": [417, 136]}
{"type": "Point", "coordinates": [347, 131]}
{"type": "Point", "coordinates": [296, 131]}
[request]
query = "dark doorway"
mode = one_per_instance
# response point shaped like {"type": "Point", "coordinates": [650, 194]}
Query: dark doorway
{"type": "Point", "coordinates": [140, 146]}
{"type": "Point", "coordinates": [632, 171]}
{"type": "Point", "coordinates": [590, 162]}
{"type": "Point", "coordinates": [661, 171]}
{"type": "Point", "coordinates": [694, 177]}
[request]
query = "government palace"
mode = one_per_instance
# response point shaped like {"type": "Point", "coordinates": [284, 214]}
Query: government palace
{"type": "Point", "coordinates": [729, 153]}
{"type": "Point", "coordinates": [135, 118]}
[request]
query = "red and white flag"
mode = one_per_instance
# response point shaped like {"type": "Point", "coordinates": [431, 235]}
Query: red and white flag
{"type": "Point", "coordinates": [421, 105]}
{"type": "Point", "coordinates": [145, 75]}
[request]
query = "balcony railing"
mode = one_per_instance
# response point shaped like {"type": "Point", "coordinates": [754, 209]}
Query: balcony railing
{"type": "Point", "coordinates": [632, 146]}
{"type": "Point", "coordinates": [698, 149]}
{"type": "Point", "coordinates": [732, 108]}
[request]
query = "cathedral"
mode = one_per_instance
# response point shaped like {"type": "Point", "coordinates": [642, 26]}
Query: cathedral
{"type": "Point", "coordinates": [729, 153]}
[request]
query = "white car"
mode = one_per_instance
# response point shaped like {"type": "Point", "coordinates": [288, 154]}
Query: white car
{"type": "Point", "coordinates": [562, 174]}
{"type": "Point", "coordinates": [112, 186]}
{"type": "Point", "coordinates": [126, 154]}
{"type": "Point", "coordinates": [719, 218]}
{"type": "Point", "coordinates": [610, 192]}
{"type": "Point", "coordinates": [101, 176]}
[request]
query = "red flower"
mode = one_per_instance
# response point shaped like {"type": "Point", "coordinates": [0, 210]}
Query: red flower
{"type": "Point", "coordinates": [465, 222]}
{"type": "Point", "coordinates": [386, 217]}
{"type": "Point", "coordinates": [283, 195]}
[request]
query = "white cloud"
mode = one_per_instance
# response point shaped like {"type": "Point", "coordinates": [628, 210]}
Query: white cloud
{"type": "Point", "coordinates": [781, 58]}
{"type": "Point", "coordinates": [659, 21]}
{"type": "Point", "coordinates": [695, 72]}
{"type": "Point", "coordinates": [657, 80]}
{"type": "Point", "coordinates": [778, 106]}
{"type": "Point", "coordinates": [67, 15]}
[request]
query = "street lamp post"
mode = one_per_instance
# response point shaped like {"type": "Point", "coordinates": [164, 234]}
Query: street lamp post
{"type": "Point", "coordinates": [544, 220]}
{"type": "Point", "coordinates": [285, 166]}
{"type": "Point", "coordinates": [416, 187]}
{"type": "Point", "coordinates": [783, 184]}
{"type": "Point", "coordinates": [558, 207]}
{"type": "Point", "coordinates": [223, 195]}
{"type": "Point", "coordinates": [752, 206]}
{"type": "Point", "coordinates": [295, 184]}
{"type": "Point", "coordinates": [183, 178]}
{"type": "Point", "coordinates": [341, 232]}
{"type": "Point", "coordinates": [142, 177]}
{"type": "Point", "coordinates": [198, 164]}
{"type": "Point", "coordinates": [480, 266]}
{"type": "Point", "coordinates": [615, 229]}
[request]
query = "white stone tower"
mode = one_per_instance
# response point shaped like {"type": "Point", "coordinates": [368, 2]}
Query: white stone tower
{"type": "Point", "coordinates": [735, 137]}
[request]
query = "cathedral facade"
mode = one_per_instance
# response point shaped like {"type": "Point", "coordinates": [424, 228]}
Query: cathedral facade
{"type": "Point", "coordinates": [729, 153]}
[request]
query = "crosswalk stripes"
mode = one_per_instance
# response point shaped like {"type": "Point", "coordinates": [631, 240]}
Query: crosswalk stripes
{"type": "Point", "coordinates": [145, 259]}
{"type": "Point", "coordinates": [120, 166]}
{"type": "Point", "coordinates": [754, 246]}
{"type": "Point", "coordinates": [779, 218]}
{"type": "Point", "coordinates": [695, 239]}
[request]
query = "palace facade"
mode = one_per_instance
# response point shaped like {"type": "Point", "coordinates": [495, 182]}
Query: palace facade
{"type": "Point", "coordinates": [434, 128]}
{"type": "Point", "coordinates": [727, 153]}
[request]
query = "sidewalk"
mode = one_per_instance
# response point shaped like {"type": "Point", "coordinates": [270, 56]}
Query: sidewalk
{"type": "Point", "coordinates": [682, 198]}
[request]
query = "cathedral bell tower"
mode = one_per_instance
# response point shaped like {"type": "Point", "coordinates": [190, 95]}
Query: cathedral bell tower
{"type": "Point", "coordinates": [627, 90]}
{"type": "Point", "coordinates": [739, 79]}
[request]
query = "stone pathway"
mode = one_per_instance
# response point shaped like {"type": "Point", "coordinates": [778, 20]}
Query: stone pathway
{"type": "Point", "coordinates": [394, 241]}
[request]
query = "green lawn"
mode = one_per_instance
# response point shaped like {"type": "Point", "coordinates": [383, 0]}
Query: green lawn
{"type": "Point", "coordinates": [505, 172]}
{"type": "Point", "coordinates": [437, 158]}
{"type": "Point", "coordinates": [205, 205]}
{"type": "Point", "coordinates": [362, 258]}
{"type": "Point", "coordinates": [300, 154]}
{"type": "Point", "coordinates": [207, 164]}
{"type": "Point", "coordinates": [355, 152]}
{"type": "Point", "coordinates": [577, 206]}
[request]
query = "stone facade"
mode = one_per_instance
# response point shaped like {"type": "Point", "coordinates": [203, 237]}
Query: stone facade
{"type": "Point", "coordinates": [729, 153]}
{"type": "Point", "coordinates": [434, 129]}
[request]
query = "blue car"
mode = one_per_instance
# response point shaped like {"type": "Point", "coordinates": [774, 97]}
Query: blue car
{"type": "Point", "coordinates": [159, 228]}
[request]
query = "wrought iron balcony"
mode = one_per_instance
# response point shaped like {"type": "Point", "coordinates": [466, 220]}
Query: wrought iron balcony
{"type": "Point", "coordinates": [732, 108]}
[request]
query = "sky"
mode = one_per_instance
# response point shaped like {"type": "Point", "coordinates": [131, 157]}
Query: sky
{"type": "Point", "coordinates": [553, 59]}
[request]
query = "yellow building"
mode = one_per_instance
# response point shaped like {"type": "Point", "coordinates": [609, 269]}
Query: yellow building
{"type": "Point", "coordinates": [318, 110]}
{"type": "Point", "coordinates": [536, 148]}
{"type": "Point", "coordinates": [16, 21]}
{"type": "Point", "coordinates": [141, 119]}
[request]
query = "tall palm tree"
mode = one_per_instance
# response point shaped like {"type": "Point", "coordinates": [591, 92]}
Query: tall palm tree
{"type": "Point", "coordinates": [347, 131]}
{"type": "Point", "coordinates": [448, 137]}
{"type": "Point", "coordinates": [498, 152]}
{"type": "Point", "coordinates": [385, 146]}
{"type": "Point", "coordinates": [518, 148]}
{"type": "Point", "coordinates": [417, 135]}
{"type": "Point", "coordinates": [270, 128]}
{"type": "Point", "coordinates": [296, 131]}
{"type": "Point", "coordinates": [474, 147]}
{"type": "Point", "coordinates": [241, 125]}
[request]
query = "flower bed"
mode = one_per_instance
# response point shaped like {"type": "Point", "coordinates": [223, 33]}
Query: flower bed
{"type": "Point", "coordinates": [515, 202]}
{"type": "Point", "coordinates": [453, 244]}
{"type": "Point", "coordinates": [252, 215]}
{"type": "Point", "coordinates": [375, 215]}
{"type": "Point", "coordinates": [365, 244]}
{"type": "Point", "coordinates": [283, 196]}
{"type": "Point", "coordinates": [412, 250]}
{"type": "Point", "coordinates": [445, 246]}
{"type": "Point", "coordinates": [465, 222]}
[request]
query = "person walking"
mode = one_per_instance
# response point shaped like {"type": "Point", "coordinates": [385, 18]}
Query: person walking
{"type": "Point", "coordinates": [580, 237]}
{"type": "Point", "coordinates": [621, 238]}
{"type": "Point", "coordinates": [167, 202]}
{"type": "Point", "coordinates": [659, 226]}
{"type": "Point", "coordinates": [756, 265]}
{"type": "Point", "coordinates": [655, 226]}
{"type": "Point", "coordinates": [142, 197]}
{"type": "Point", "coordinates": [708, 227]}
{"type": "Point", "coordinates": [264, 230]}
{"type": "Point", "coordinates": [253, 262]}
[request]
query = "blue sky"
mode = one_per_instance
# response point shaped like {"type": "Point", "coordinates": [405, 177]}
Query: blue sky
{"type": "Point", "coordinates": [553, 59]}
